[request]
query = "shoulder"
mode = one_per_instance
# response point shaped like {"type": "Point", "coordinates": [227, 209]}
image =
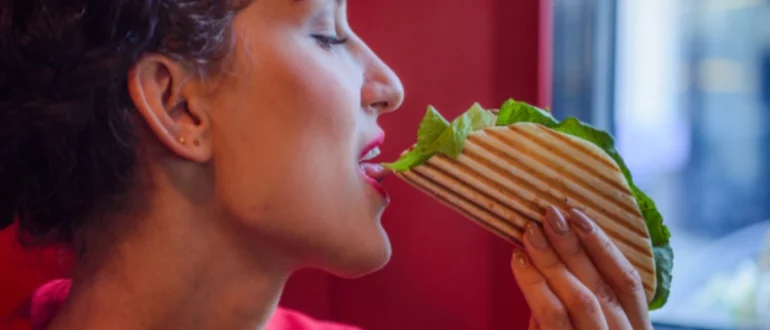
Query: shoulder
{"type": "Point", "coordinates": [286, 319]}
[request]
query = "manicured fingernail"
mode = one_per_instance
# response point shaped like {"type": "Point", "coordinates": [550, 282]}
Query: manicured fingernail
{"type": "Point", "coordinates": [556, 221]}
{"type": "Point", "coordinates": [519, 259]}
{"type": "Point", "coordinates": [581, 220]}
{"type": "Point", "coordinates": [536, 237]}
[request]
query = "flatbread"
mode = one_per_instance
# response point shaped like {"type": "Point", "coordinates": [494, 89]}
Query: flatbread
{"type": "Point", "coordinates": [507, 176]}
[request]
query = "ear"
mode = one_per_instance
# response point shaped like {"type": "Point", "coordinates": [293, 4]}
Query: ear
{"type": "Point", "coordinates": [167, 95]}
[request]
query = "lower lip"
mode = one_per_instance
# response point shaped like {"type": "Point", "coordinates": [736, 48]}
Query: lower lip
{"type": "Point", "coordinates": [375, 184]}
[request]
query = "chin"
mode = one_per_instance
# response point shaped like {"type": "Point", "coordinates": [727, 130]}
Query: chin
{"type": "Point", "coordinates": [364, 258]}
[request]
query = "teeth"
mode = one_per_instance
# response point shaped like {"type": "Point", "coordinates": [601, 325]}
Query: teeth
{"type": "Point", "coordinates": [371, 154]}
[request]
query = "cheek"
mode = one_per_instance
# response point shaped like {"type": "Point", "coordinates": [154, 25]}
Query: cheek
{"type": "Point", "coordinates": [323, 92]}
{"type": "Point", "coordinates": [300, 88]}
{"type": "Point", "coordinates": [285, 129]}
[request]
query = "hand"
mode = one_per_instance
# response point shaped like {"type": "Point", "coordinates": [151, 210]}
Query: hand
{"type": "Point", "coordinates": [574, 277]}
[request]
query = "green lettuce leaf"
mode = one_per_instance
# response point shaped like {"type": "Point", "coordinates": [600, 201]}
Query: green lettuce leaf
{"type": "Point", "coordinates": [431, 128]}
{"type": "Point", "coordinates": [664, 263]}
{"type": "Point", "coordinates": [436, 135]}
{"type": "Point", "coordinates": [480, 117]}
{"type": "Point", "coordinates": [408, 160]}
{"type": "Point", "coordinates": [515, 112]}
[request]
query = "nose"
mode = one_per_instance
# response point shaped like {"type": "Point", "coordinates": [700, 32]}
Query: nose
{"type": "Point", "coordinates": [382, 91]}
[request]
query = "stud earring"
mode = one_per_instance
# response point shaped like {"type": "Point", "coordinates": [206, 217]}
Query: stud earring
{"type": "Point", "coordinates": [182, 140]}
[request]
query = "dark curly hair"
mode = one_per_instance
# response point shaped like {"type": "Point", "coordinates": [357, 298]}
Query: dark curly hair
{"type": "Point", "coordinates": [68, 143]}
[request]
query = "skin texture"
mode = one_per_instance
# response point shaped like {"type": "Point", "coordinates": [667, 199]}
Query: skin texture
{"type": "Point", "coordinates": [252, 172]}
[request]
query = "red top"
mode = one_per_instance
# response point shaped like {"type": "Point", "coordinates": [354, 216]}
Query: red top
{"type": "Point", "coordinates": [48, 299]}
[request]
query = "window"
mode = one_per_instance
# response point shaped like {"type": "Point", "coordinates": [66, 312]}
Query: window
{"type": "Point", "coordinates": [685, 87]}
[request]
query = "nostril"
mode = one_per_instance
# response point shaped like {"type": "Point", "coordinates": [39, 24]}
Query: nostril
{"type": "Point", "coordinates": [381, 105]}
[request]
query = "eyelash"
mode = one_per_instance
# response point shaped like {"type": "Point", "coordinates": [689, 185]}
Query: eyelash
{"type": "Point", "coordinates": [327, 42]}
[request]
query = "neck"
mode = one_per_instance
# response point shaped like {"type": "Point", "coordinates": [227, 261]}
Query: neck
{"type": "Point", "coordinates": [178, 272]}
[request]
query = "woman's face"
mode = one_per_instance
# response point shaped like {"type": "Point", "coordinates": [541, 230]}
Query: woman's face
{"type": "Point", "coordinates": [289, 125]}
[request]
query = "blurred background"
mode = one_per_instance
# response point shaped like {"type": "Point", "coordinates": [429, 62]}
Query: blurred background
{"type": "Point", "coordinates": [685, 87]}
{"type": "Point", "coordinates": [683, 84]}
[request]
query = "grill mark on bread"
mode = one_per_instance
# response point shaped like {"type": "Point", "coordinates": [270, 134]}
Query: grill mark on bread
{"type": "Point", "coordinates": [547, 192]}
{"type": "Point", "coordinates": [477, 196]}
{"type": "Point", "coordinates": [440, 163]}
{"type": "Point", "coordinates": [618, 194]}
{"type": "Point", "coordinates": [466, 173]}
{"type": "Point", "coordinates": [466, 207]}
{"type": "Point", "coordinates": [471, 194]}
{"type": "Point", "coordinates": [563, 175]}
{"type": "Point", "coordinates": [591, 154]}
{"type": "Point", "coordinates": [478, 213]}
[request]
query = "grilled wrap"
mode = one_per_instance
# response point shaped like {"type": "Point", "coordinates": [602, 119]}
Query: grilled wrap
{"type": "Point", "coordinates": [502, 169]}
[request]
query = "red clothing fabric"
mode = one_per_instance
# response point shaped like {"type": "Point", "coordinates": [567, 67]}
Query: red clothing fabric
{"type": "Point", "coordinates": [49, 298]}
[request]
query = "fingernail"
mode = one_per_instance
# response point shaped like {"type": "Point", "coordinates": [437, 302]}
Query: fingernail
{"type": "Point", "coordinates": [519, 259]}
{"type": "Point", "coordinates": [581, 220]}
{"type": "Point", "coordinates": [536, 236]}
{"type": "Point", "coordinates": [556, 221]}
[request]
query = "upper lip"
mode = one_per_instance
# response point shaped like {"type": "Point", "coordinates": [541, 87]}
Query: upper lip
{"type": "Point", "coordinates": [372, 145]}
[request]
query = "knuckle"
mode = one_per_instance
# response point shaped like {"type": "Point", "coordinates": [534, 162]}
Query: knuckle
{"type": "Point", "coordinates": [556, 317]}
{"type": "Point", "coordinates": [605, 294]}
{"type": "Point", "coordinates": [552, 265]}
{"type": "Point", "coordinates": [630, 281]}
{"type": "Point", "coordinates": [606, 244]}
{"type": "Point", "coordinates": [531, 279]}
{"type": "Point", "coordinates": [582, 302]}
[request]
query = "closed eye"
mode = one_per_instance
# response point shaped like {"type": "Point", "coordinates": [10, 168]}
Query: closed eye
{"type": "Point", "coordinates": [327, 42]}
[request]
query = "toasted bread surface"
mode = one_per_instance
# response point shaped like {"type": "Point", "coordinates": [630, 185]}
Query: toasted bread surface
{"type": "Point", "coordinates": [507, 176]}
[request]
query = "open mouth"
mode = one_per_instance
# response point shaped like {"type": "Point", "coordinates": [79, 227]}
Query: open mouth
{"type": "Point", "coordinates": [371, 154]}
{"type": "Point", "coordinates": [372, 170]}
{"type": "Point", "coordinates": [374, 173]}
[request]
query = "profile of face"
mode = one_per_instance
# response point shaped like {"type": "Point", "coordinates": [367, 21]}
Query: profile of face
{"type": "Point", "coordinates": [283, 130]}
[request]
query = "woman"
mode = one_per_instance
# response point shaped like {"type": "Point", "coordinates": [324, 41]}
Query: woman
{"type": "Point", "coordinates": [195, 153]}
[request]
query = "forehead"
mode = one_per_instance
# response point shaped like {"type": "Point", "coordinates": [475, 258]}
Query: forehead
{"type": "Point", "coordinates": [271, 11]}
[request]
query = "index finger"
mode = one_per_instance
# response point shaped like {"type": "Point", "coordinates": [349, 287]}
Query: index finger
{"type": "Point", "coordinates": [622, 277]}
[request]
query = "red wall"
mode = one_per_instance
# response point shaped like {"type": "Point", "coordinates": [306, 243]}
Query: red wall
{"type": "Point", "coordinates": [445, 273]}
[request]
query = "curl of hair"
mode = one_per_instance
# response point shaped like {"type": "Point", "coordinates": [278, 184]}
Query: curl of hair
{"type": "Point", "coordinates": [68, 145]}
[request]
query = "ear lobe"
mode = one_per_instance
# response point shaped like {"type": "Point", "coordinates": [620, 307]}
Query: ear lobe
{"type": "Point", "coordinates": [164, 92]}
